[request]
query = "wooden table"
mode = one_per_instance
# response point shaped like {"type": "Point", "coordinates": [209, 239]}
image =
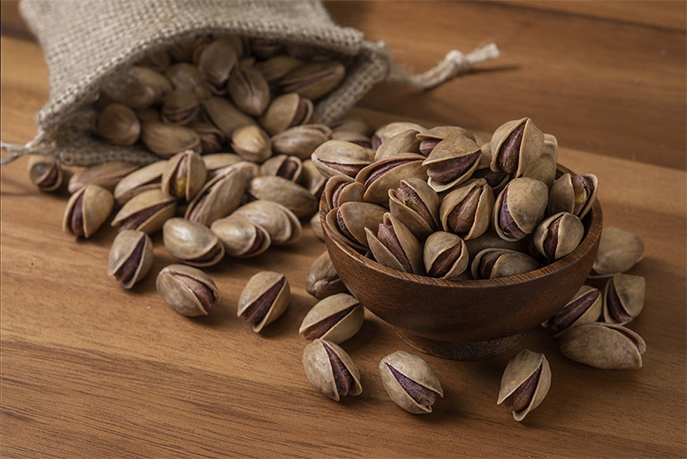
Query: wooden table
{"type": "Point", "coordinates": [89, 370]}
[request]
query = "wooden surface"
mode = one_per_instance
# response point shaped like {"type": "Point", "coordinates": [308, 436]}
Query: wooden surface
{"type": "Point", "coordinates": [88, 370]}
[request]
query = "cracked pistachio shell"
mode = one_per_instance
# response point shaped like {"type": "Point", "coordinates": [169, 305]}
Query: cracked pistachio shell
{"type": "Point", "coordinates": [386, 174]}
{"type": "Point", "coordinates": [146, 212]}
{"type": "Point", "coordinates": [618, 252]}
{"type": "Point", "coordinates": [241, 237]}
{"type": "Point", "coordinates": [336, 157]}
{"type": "Point", "coordinates": [451, 162]}
{"type": "Point", "coordinates": [544, 167]}
{"type": "Point", "coordinates": [264, 298]}
{"type": "Point", "coordinates": [189, 291]}
{"type": "Point", "coordinates": [573, 193]}
{"type": "Point", "coordinates": [412, 384]}
{"type": "Point", "coordinates": [496, 263]}
{"type": "Point", "coordinates": [288, 167]}
{"type": "Point", "coordinates": [131, 257]}
{"type": "Point", "coordinates": [226, 116]}
{"type": "Point", "coordinates": [323, 280]}
{"type": "Point", "coordinates": [403, 142]}
{"type": "Point", "coordinates": [415, 204]}
{"type": "Point", "coordinates": [429, 139]}
{"type": "Point", "coordinates": [216, 62]}
{"type": "Point", "coordinates": [335, 318]}
{"type": "Point", "coordinates": [605, 346]}
{"type": "Point", "coordinates": [387, 131]}
{"type": "Point", "coordinates": [466, 210]}
{"type": "Point", "coordinates": [353, 124]}
{"type": "Point", "coordinates": [583, 308]}
{"type": "Point", "coordinates": [144, 179]}
{"type": "Point", "coordinates": [187, 77]}
{"type": "Point", "coordinates": [218, 161]}
{"type": "Point", "coordinates": [515, 145]}
{"type": "Point", "coordinates": [496, 179]}
{"type": "Point", "coordinates": [445, 255]}
{"type": "Point", "coordinates": [180, 107]}
{"type": "Point", "coordinates": [251, 143]}
{"type": "Point", "coordinates": [286, 111]}
{"type": "Point", "coordinates": [623, 298]}
{"type": "Point", "coordinates": [349, 221]}
{"type": "Point", "coordinates": [119, 125]}
{"type": "Point", "coordinates": [192, 243]}
{"type": "Point", "coordinates": [87, 210]}
{"type": "Point", "coordinates": [184, 175]}
{"type": "Point", "coordinates": [166, 140]}
{"type": "Point", "coordinates": [45, 172]}
{"type": "Point", "coordinates": [342, 188]}
{"type": "Point", "coordinates": [519, 208]}
{"type": "Point", "coordinates": [106, 175]}
{"type": "Point", "coordinates": [526, 381]}
{"type": "Point", "coordinates": [313, 79]}
{"type": "Point", "coordinates": [311, 179]}
{"type": "Point", "coordinates": [211, 138]}
{"type": "Point", "coordinates": [393, 245]}
{"type": "Point", "coordinates": [280, 223]}
{"type": "Point", "coordinates": [301, 141]}
{"type": "Point", "coordinates": [249, 90]}
{"type": "Point", "coordinates": [285, 192]}
{"type": "Point", "coordinates": [316, 226]}
{"type": "Point", "coordinates": [558, 235]}
{"type": "Point", "coordinates": [274, 68]}
{"type": "Point", "coordinates": [331, 370]}
{"type": "Point", "coordinates": [219, 197]}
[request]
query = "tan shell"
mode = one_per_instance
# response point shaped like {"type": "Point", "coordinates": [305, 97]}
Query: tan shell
{"type": "Point", "coordinates": [211, 138]}
{"type": "Point", "coordinates": [301, 140]}
{"type": "Point", "coordinates": [311, 179]}
{"type": "Point", "coordinates": [356, 216]}
{"type": "Point", "coordinates": [274, 68]}
{"type": "Point", "coordinates": [186, 76]}
{"type": "Point", "coordinates": [251, 143]}
{"type": "Point", "coordinates": [188, 185]}
{"type": "Point", "coordinates": [414, 368]}
{"type": "Point", "coordinates": [106, 175]}
{"type": "Point", "coordinates": [323, 280]}
{"type": "Point", "coordinates": [491, 240]}
{"type": "Point", "coordinates": [510, 263]}
{"type": "Point", "coordinates": [562, 195]}
{"type": "Point", "coordinates": [226, 116]}
{"type": "Point", "coordinates": [353, 124]}
{"type": "Point", "coordinates": [216, 62]}
{"type": "Point", "coordinates": [618, 252]}
{"type": "Point", "coordinates": [288, 167]}
{"type": "Point", "coordinates": [353, 137]}
{"type": "Point", "coordinates": [605, 346]}
{"type": "Point", "coordinates": [96, 206]}
{"type": "Point", "coordinates": [342, 188]}
{"type": "Point", "coordinates": [167, 139]}
{"type": "Point", "coordinates": [450, 149]}
{"type": "Point", "coordinates": [144, 179]}
{"type": "Point", "coordinates": [219, 197]}
{"type": "Point", "coordinates": [444, 132]}
{"type": "Point", "coordinates": [45, 172]}
{"type": "Point", "coordinates": [257, 286]}
{"type": "Point", "coordinates": [177, 292]}
{"type": "Point", "coordinates": [531, 145]}
{"type": "Point", "coordinates": [192, 243]}
{"type": "Point", "coordinates": [387, 131]}
{"type": "Point", "coordinates": [180, 107]}
{"type": "Point", "coordinates": [381, 176]}
{"type": "Point", "coordinates": [316, 226]}
{"type": "Point", "coordinates": [483, 211]}
{"type": "Point", "coordinates": [526, 202]}
{"type": "Point", "coordinates": [140, 204]}
{"type": "Point", "coordinates": [124, 253]}
{"type": "Point", "coordinates": [241, 237]}
{"type": "Point", "coordinates": [542, 169]}
{"type": "Point", "coordinates": [408, 214]}
{"type": "Point", "coordinates": [286, 111]}
{"type": "Point", "coordinates": [158, 58]}
{"type": "Point", "coordinates": [119, 125]}
{"type": "Point", "coordinates": [577, 311]}
{"type": "Point", "coordinates": [408, 243]}
{"type": "Point", "coordinates": [519, 369]}
{"type": "Point", "coordinates": [138, 87]}
{"type": "Point", "coordinates": [280, 223]}
{"type": "Point", "coordinates": [318, 368]}
{"type": "Point", "coordinates": [335, 318]}
{"type": "Point", "coordinates": [282, 191]}
{"type": "Point", "coordinates": [336, 157]}
{"type": "Point", "coordinates": [217, 161]}
{"type": "Point", "coordinates": [249, 90]}
{"type": "Point", "coordinates": [403, 142]}
{"type": "Point", "coordinates": [630, 291]}
{"type": "Point", "coordinates": [569, 235]}
{"type": "Point", "coordinates": [437, 248]}
{"type": "Point", "coordinates": [313, 80]}
{"type": "Point", "coordinates": [496, 179]}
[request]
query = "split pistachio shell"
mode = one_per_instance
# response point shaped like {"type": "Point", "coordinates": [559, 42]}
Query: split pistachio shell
{"type": "Point", "coordinates": [331, 370]}
{"type": "Point", "coordinates": [249, 90]}
{"type": "Point", "coordinates": [311, 179]}
{"type": "Point", "coordinates": [515, 146]}
{"type": "Point", "coordinates": [264, 298]}
{"type": "Point", "coordinates": [189, 291]}
{"type": "Point", "coordinates": [342, 188]}
{"type": "Point", "coordinates": [282, 191]}
{"type": "Point", "coordinates": [519, 208]}
{"type": "Point", "coordinates": [416, 204]}
{"type": "Point", "coordinates": [605, 346]}
{"type": "Point", "coordinates": [618, 252]}
{"type": "Point", "coordinates": [167, 139]}
{"type": "Point", "coordinates": [335, 318]}
{"type": "Point", "coordinates": [131, 257]}
{"type": "Point", "coordinates": [280, 223]}
{"type": "Point", "coordinates": [544, 167]}
{"type": "Point", "coordinates": [186, 76]}
{"type": "Point", "coordinates": [216, 62]}
{"type": "Point", "coordinates": [180, 107]}
{"type": "Point", "coordinates": [144, 179]}
{"type": "Point", "coordinates": [313, 80]}
{"type": "Point", "coordinates": [386, 174]}
{"type": "Point", "coordinates": [451, 162]}
{"type": "Point", "coordinates": [393, 245]}
{"type": "Point", "coordinates": [445, 255]}
{"type": "Point", "coordinates": [219, 197]}
{"type": "Point", "coordinates": [558, 235]}
{"type": "Point", "coordinates": [87, 210]}
{"type": "Point", "coordinates": [241, 237]}
{"type": "Point", "coordinates": [387, 131]}
{"type": "Point", "coordinates": [573, 193]}
{"type": "Point", "coordinates": [623, 298]}
{"type": "Point", "coordinates": [106, 175]}
{"type": "Point", "coordinates": [119, 125]}
{"type": "Point", "coordinates": [286, 111]}
{"type": "Point", "coordinates": [192, 243]}
{"type": "Point", "coordinates": [288, 167]}
{"type": "Point", "coordinates": [211, 138]}
{"type": "Point", "coordinates": [584, 308]}
{"type": "Point", "coordinates": [316, 226]}
{"type": "Point", "coordinates": [466, 211]}
{"type": "Point", "coordinates": [336, 157]}
{"type": "Point", "coordinates": [349, 221]}
{"type": "Point", "coordinates": [217, 161]}
{"type": "Point", "coordinates": [138, 87]}
{"type": "Point", "coordinates": [146, 212]}
{"type": "Point", "coordinates": [403, 142]}
{"type": "Point", "coordinates": [274, 68]}
{"type": "Point", "coordinates": [323, 280]}
{"type": "Point", "coordinates": [491, 240]}
{"type": "Point", "coordinates": [184, 176]}
{"type": "Point", "coordinates": [301, 141]}
{"type": "Point", "coordinates": [251, 143]}
{"type": "Point", "coordinates": [525, 382]}
{"type": "Point", "coordinates": [496, 179]}
{"type": "Point", "coordinates": [353, 137]}
{"type": "Point", "coordinates": [431, 138]}
{"type": "Point", "coordinates": [45, 172]}
{"type": "Point", "coordinates": [496, 263]}
{"type": "Point", "coordinates": [410, 382]}
{"type": "Point", "coordinates": [226, 116]}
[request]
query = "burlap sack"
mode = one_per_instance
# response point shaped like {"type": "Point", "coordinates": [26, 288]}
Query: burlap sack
{"type": "Point", "coordinates": [87, 42]}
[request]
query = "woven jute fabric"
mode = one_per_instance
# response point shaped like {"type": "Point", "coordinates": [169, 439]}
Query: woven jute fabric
{"type": "Point", "coordinates": [87, 42]}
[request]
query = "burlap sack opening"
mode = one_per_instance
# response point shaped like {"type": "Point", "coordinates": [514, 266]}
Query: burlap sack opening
{"type": "Point", "coordinates": [87, 42]}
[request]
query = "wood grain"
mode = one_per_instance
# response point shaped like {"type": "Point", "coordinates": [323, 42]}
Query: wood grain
{"type": "Point", "coordinates": [88, 370]}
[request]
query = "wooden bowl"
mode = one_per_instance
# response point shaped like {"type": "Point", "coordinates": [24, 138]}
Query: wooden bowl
{"type": "Point", "coordinates": [464, 320]}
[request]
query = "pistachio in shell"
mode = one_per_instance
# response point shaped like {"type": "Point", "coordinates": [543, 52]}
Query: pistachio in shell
{"type": "Point", "coordinates": [249, 90]}
{"type": "Point", "coordinates": [189, 291]}
{"type": "Point", "coordinates": [192, 243]}
{"type": "Point", "coordinates": [45, 172]}
{"type": "Point", "coordinates": [144, 179]}
{"type": "Point", "coordinates": [410, 382]}
{"type": "Point", "coordinates": [394, 245]}
{"type": "Point", "coordinates": [251, 143]}
{"type": "Point", "coordinates": [187, 77]}
{"type": "Point", "coordinates": [280, 223]}
{"type": "Point", "coordinates": [583, 308]}
{"type": "Point", "coordinates": [381, 176]}
{"type": "Point", "coordinates": [218, 161]}
{"type": "Point", "coordinates": [416, 204]}
{"type": "Point", "coordinates": [353, 137]}
{"type": "Point", "coordinates": [335, 318]}
{"type": "Point", "coordinates": [211, 138]}
{"type": "Point", "coordinates": [106, 175]}
{"type": "Point", "coordinates": [339, 157]}
{"type": "Point", "coordinates": [87, 210]}
{"type": "Point", "coordinates": [331, 370]}
{"type": "Point", "coordinates": [544, 167]}
{"type": "Point", "coordinates": [146, 212]}
{"type": "Point", "coordinates": [389, 130]}
{"type": "Point", "coordinates": [623, 298]}
{"type": "Point", "coordinates": [496, 179]}
{"type": "Point", "coordinates": [451, 162]}
{"type": "Point", "coordinates": [241, 237]}
{"type": "Point", "coordinates": [311, 179]}
{"type": "Point", "coordinates": [432, 137]}
{"type": "Point", "coordinates": [288, 167]}
{"type": "Point", "coordinates": [184, 176]}
{"type": "Point", "coordinates": [496, 263]}
{"type": "Point", "coordinates": [491, 240]}
{"type": "Point", "coordinates": [286, 111]}
{"type": "Point", "coordinates": [316, 226]}
{"type": "Point", "coordinates": [445, 255]}
{"type": "Point", "coordinates": [558, 235]}
{"type": "Point", "coordinates": [264, 298]}
{"type": "Point", "coordinates": [274, 68]}
{"type": "Point", "coordinates": [138, 87]}
{"type": "Point", "coordinates": [403, 142]}
{"type": "Point", "coordinates": [131, 257]}
{"type": "Point", "coordinates": [354, 124]}
{"type": "Point", "coordinates": [525, 382]}
{"type": "Point", "coordinates": [466, 210]}
{"type": "Point", "coordinates": [605, 346]}
{"type": "Point", "coordinates": [216, 63]}
{"type": "Point", "coordinates": [167, 140]}
{"type": "Point", "coordinates": [350, 220]}
{"type": "Point", "coordinates": [264, 48]}
{"type": "Point", "coordinates": [219, 197]}
{"type": "Point", "coordinates": [323, 280]}
{"type": "Point", "coordinates": [119, 125]}
{"type": "Point", "coordinates": [226, 116]}
{"type": "Point", "coordinates": [342, 188]}
{"type": "Point", "coordinates": [515, 146]}
{"type": "Point", "coordinates": [180, 107]}
{"type": "Point", "coordinates": [618, 252]}
{"type": "Point", "coordinates": [285, 192]}
{"type": "Point", "coordinates": [300, 141]}
{"type": "Point", "coordinates": [313, 80]}
{"type": "Point", "coordinates": [519, 208]}
{"type": "Point", "coordinates": [573, 193]}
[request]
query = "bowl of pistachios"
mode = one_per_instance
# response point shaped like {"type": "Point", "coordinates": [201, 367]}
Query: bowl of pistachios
{"type": "Point", "coordinates": [462, 244]}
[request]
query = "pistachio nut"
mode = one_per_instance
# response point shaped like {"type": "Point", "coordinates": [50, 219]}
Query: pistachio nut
{"type": "Point", "coordinates": [301, 141]}
{"type": "Point", "coordinates": [186, 76]}
{"type": "Point", "coordinates": [264, 298]}
{"type": "Point", "coordinates": [519, 208]}
{"type": "Point", "coordinates": [106, 175]}
{"type": "Point", "coordinates": [623, 298]}
{"type": "Point", "coordinates": [146, 211]}
{"type": "Point", "coordinates": [445, 255]}
{"type": "Point", "coordinates": [311, 179]}
{"type": "Point", "coordinates": [192, 243]}
{"type": "Point", "coordinates": [288, 167]}
{"type": "Point", "coordinates": [584, 308]}
{"type": "Point", "coordinates": [323, 280]}
{"type": "Point", "coordinates": [251, 143]}
{"type": "Point", "coordinates": [181, 49]}
{"type": "Point", "coordinates": [218, 161]}
{"type": "Point", "coordinates": [316, 226]}
{"type": "Point", "coordinates": [496, 179]}
{"type": "Point", "coordinates": [342, 188]}
{"type": "Point", "coordinates": [349, 220]}
{"type": "Point", "coordinates": [415, 204]}
{"type": "Point", "coordinates": [180, 107]}
{"type": "Point", "coordinates": [496, 263]}
{"type": "Point", "coordinates": [286, 111]}
{"type": "Point", "coordinates": [381, 176]}
{"type": "Point", "coordinates": [544, 167]}
{"type": "Point", "coordinates": [241, 237]}
{"type": "Point", "coordinates": [211, 138]}
{"type": "Point", "coordinates": [451, 162]}
{"type": "Point", "coordinates": [119, 125]}
{"type": "Point", "coordinates": [264, 48]}
{"type": "Point", "coordinates": [410, 382]}
{"type": "Point", "coordinates": [466, 211]}
{"type": "Point", "coordinates": [430, 138]}
{"type": "Point", "coordinates": [131, 257]}
{"type": "Point", "coordinates": [403, 142]}
{"type": "Point", "coordinates": [573, 193]}
{"type": "Point", "coordinates": [138, 181]}
{"type": "Point", "coordinates": [331, 370]}
{"type": "Point", "coordinates": [158, 58]}
{"type": "Point", "coordinates": [515, 145]}
{"type": "Point", "coordinates": [216, 62]}
{"type": "Point", "coordinates": [226, 116]}
{"type": "Point", "coordinates": [189, 291]}
{"type": "Point", "coordinates": [339, 157]}
{"type": "Point", "coordinates": [274, 68]}
{"type": "Point", "coordinates": [353, 137]}
{"type": "Point", "coordinates": [353, 124]}
{"type": "Point", "coordinates": [389, 130]}
{"type": "Point", "coordinates": [280, 223]}
{"type": "Point", "coordinates": [558, 235]}
{"type": "Point", "coordinates": [525, 382]}
{"type": "Point", "coordinates": [219, 197]}
{"type": "Point", "coordinates": [249, 90]}
{"type": "Point", "coordinates": [618, 252]}
{"type": "Point", "coordinates": [605, 346]}
{"type": "Point", "coordinates": [138, 87]}
{"type": "Point", "coordinates": [238, 42]}
{"type": "Point", "coordinates": [87, 210]}
{"type": "Point", "coordinates": [45, 172]}
{"type": "Point", "coordinates": [184, 176]}
{"type": "Point", "coordinates": [167, 140]}
{"type": "Point", "coordinates": [314, 79]}
{"type": "Point", "coordinates": [335, 318]}
{"type": "Point", "coordinates": [285, 192]}
{"type": "Point", "coordinates": [394, 245]}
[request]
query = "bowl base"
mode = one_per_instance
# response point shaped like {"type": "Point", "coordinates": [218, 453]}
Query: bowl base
{"type": "Point", "coordinates": [461, 351]}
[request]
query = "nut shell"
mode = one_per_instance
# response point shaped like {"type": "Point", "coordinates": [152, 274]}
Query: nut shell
{"type": "Point", "coordinates": [264, 298]}
{"type": "Point", "coordinates": [177, 292]}
{"type": "Point", "coordinates": [519, 369]}
{"type": "Point", "coordinates": [605, 346]}
{"type": "Point", "coordinates": [126, 251]}
{"type": "Point", "coordinates": [415, 369]}
{"type": "Point", "coordinates": [335, 318]}
{"type": "Point", "coordinates": [96, 205]}
{"type": "Point", "coordinates": [319, 369]}
{"type": "Point", "coordinates": [192, 243]}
